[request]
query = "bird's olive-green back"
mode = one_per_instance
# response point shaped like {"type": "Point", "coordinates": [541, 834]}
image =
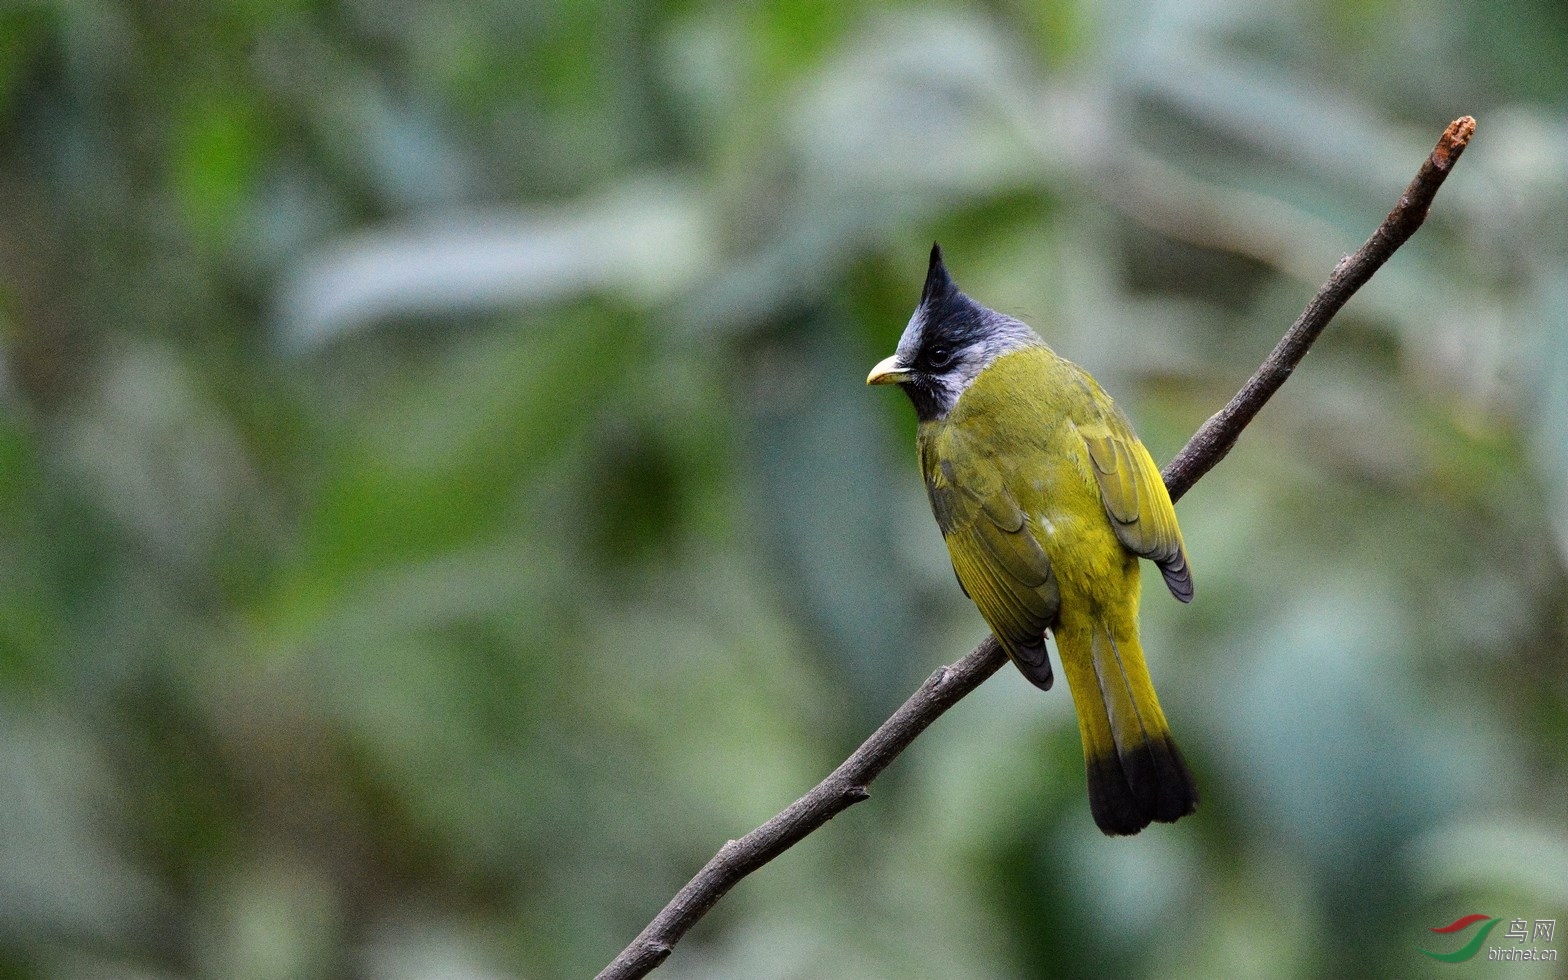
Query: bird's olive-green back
{"type": "Point", "coordinates": [1043, 493]}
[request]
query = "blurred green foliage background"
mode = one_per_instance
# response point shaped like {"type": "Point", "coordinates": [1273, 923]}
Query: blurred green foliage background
{"type": "Point", "coordinates": [439, 503]}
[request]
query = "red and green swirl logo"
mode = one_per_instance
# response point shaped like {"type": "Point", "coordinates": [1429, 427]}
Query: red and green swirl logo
{"type": "Point", "coordinates": [1470, 948]}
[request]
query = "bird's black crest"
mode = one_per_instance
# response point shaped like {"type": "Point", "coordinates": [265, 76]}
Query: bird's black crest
{"type": "Point", "coordinates": [949, 340]}
{"type": "Point", "coordinates": [951, 317]}
{"type": "Point", "coordinates": [938, 282]}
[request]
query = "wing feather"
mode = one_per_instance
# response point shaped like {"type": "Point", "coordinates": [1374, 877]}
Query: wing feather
{"type": "Point", "coordinates": [999, 564]}
{"type": "Point", "coordinates": [1136, 500]}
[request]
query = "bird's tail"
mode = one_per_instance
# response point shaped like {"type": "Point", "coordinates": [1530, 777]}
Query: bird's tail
{"type": "Point", "coordinates": [1136, 773]}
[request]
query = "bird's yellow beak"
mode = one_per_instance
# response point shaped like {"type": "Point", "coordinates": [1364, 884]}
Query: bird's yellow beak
{"type": "Point", "coordinates": [888, 372]}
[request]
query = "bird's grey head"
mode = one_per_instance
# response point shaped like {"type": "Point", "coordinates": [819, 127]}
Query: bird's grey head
{"type": "Point", "coordinates": [949, 341]}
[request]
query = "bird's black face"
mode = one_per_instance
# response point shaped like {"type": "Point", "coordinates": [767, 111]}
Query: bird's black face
{"type": "Point", "coordinates": [950, 339]}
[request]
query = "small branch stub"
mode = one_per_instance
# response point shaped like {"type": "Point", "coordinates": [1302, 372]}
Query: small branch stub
{"type": "Point", "coordinates": [1453, 142]}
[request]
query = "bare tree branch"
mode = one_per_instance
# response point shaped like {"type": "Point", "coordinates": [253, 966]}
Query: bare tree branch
{"type": "Point", "coordinates": [850, 782]}
{"type": "Point", "coordinates": [846, 786]}
{"type": "Point", "coordinates": [1216, 436]}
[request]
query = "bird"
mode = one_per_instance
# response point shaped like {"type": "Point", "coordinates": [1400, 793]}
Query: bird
{"type": "Point", "coordinates": [1047, 500]}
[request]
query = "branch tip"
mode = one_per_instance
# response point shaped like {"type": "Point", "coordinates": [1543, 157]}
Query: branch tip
{"type": "Point", "coordinates": [1453, 142]}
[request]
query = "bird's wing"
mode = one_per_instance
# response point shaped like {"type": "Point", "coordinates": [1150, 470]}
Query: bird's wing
{"type": "Point", "coordinates": [1135, 498]}
{"type": "Point", "coordinates": [996, 557]}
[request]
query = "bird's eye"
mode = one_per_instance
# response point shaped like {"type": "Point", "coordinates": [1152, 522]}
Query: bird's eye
{"type": "Point", "coordinates": [940, 356]}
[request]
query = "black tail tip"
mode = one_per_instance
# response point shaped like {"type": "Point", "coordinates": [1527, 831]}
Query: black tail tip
{"type": "Point", "coordinates": [1129, 791]}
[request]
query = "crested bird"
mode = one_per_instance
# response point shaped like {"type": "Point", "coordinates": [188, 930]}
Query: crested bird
{"type": "Point", "coordinates": [1047, 500]}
